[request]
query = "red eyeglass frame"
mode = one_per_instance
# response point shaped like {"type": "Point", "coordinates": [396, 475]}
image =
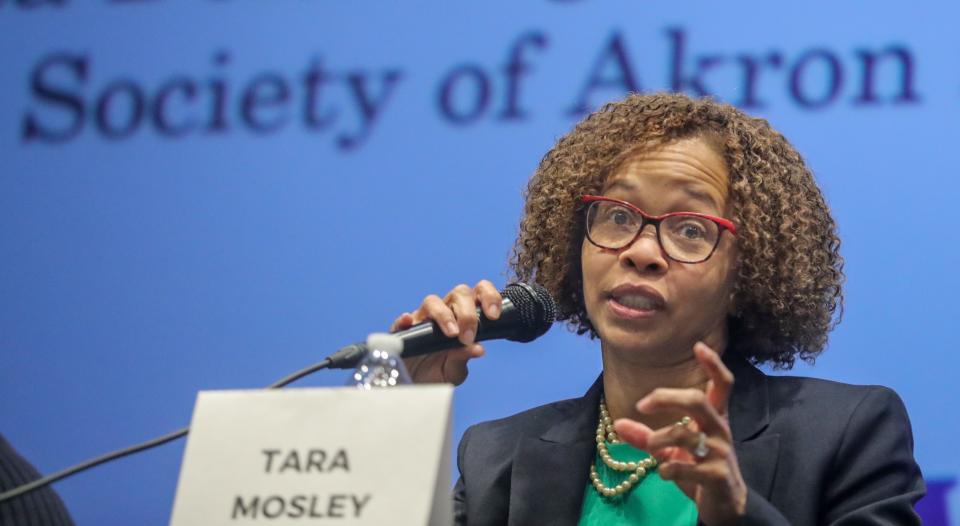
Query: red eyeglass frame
{"type": "Point", "coordinates": [724, 224]}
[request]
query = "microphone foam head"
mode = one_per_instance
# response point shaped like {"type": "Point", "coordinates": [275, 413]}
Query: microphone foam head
{"type": "Point", "coordinates": [536, 307]}
{"type": "Point", "coordinates": [388, 343]}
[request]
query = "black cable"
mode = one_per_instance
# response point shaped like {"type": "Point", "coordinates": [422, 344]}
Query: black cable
{"type": "Point", "coordinates": [152, 443]}
{"type": "Point", "coordinates": [300, 374]}
{"type": "Point", "coordinates": [49, 479]}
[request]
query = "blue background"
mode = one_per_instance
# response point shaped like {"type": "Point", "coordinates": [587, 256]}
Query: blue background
{"type": "Point", "coordinates": [135, 271]}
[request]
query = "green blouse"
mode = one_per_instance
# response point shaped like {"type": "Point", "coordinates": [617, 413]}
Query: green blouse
{"type": "Point", "coordinates": [653, 501]}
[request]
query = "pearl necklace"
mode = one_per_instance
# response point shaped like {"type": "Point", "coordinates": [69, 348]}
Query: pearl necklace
{"type": "Point", "coordinates": [639, 470]}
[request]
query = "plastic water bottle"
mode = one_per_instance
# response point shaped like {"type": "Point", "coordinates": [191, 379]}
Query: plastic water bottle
{"type": "Point", "coordinates": [382, 366]}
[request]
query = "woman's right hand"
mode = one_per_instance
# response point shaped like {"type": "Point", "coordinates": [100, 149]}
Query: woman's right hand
{"type": "Point", "coordinates": [456, 314]}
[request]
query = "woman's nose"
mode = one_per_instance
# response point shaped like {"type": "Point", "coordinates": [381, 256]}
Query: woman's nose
{"type": "Point", "coordinates": [645, 252]}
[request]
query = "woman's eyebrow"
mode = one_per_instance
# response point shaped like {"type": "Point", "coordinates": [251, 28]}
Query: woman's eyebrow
{"type": "Point", "coordinates": [620, 183]}
{"type": "Point", "coordinates": [701, 196]}
{"type": "Point", "coordinates": [704, 197]}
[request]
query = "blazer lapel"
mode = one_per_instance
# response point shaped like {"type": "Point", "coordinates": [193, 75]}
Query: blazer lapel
{"type": "Point", "coordinates": [549, 474]}
{"type": "Point", "coordinates": [749, 411]}
{"type": "Point", "coordinates": [550, 471]}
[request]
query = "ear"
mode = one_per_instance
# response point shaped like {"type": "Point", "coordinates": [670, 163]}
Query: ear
{"type": "Point", "coordinates": [733, 310]}
{"type": "Point", "coordinates": [733, 300]}
{"type": "Point", "coordinates": [733, 305]}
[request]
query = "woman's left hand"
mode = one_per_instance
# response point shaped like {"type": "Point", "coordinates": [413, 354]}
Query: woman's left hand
{"type": "Point", "coordinates": [708, 474]}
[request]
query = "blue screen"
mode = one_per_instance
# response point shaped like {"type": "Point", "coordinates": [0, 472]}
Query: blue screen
{"type": "Point", "coordinates": [211, 194]}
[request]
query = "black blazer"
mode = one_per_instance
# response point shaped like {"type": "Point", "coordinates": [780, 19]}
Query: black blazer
{"type": "Point", "coordinates": [811, 452]}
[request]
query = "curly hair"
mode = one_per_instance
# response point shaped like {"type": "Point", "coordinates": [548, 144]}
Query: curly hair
{"type": "Point", "coordinates": [788, 291]}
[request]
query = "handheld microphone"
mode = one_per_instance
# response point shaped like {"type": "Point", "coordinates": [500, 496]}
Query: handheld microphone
{"type": "Point", "coordinates": [527, 313]}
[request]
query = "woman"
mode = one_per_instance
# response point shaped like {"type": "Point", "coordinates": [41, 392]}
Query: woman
{"type": "Point", "coordinates": [693, 242]}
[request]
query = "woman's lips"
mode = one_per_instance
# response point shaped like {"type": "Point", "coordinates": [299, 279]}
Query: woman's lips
{"type": "Point", "coordinates": [631, 312]}
{"type": "Point", "coordinates": [635, 301]}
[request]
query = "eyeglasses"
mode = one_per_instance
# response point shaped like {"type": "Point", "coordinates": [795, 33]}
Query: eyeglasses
{"type": "Point", "coordinates": [687, 237]}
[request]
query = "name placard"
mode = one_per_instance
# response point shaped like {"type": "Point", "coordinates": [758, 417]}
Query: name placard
{"type": "Point", "coordinates": [330, 456]}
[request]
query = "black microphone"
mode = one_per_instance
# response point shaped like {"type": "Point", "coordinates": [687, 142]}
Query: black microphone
{"type": "Point", "coordinates": [526, 314]}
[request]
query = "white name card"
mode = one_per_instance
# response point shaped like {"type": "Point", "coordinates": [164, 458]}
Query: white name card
{"type": "Point", "coordinates": [318, 456]}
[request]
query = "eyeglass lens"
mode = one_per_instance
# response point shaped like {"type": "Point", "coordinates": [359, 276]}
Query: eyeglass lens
{"type": "Point", "coordinates": [683, 237]}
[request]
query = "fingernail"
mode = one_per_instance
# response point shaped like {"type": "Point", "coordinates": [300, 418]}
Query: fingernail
{"type": "Point", "coordinates": [467, 336]}
{"type": "Point", "coordinates": [665, 471]}
{"type": "Point", "coordinates": [452, 328]}
{"type": "Point", "coordinates": [494, 310]}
